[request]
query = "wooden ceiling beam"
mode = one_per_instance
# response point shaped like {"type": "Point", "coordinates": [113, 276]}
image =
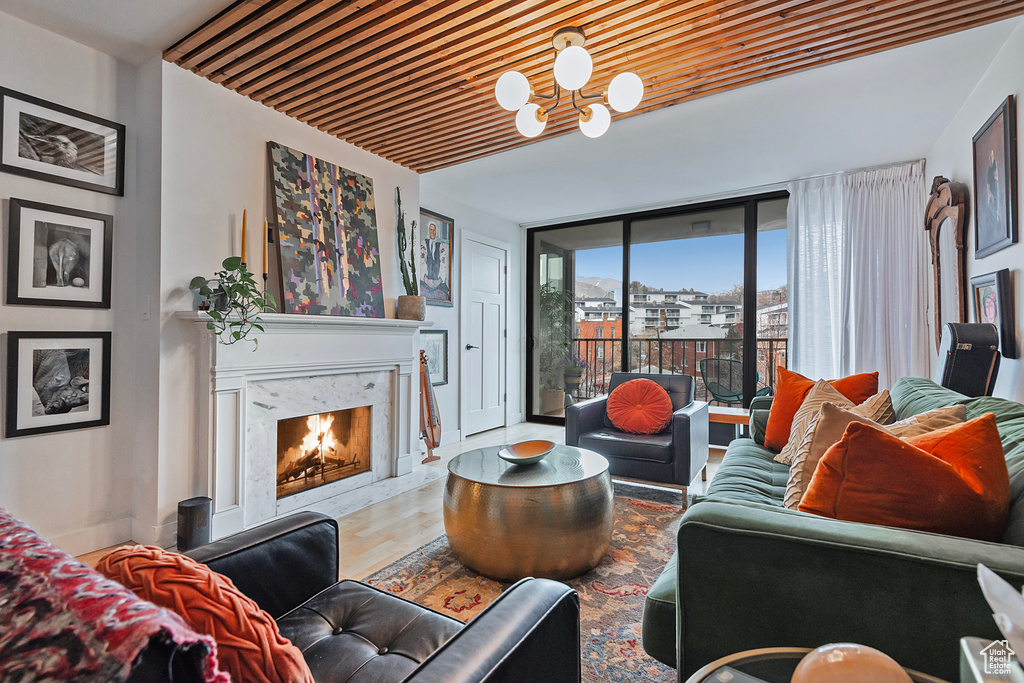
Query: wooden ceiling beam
{"type": "Point", "coordinates": [434, 69]}
{"type": "Point", "coordinates": [700, 87]}
{"type": "Point", "coordinates": [221, 23]}
{"type": "Point", "coordinates": [413, 80]}
{"type": "Point", "coordinates": [458, 95]}
{"type": "Point", "coordinates": [648, 62]}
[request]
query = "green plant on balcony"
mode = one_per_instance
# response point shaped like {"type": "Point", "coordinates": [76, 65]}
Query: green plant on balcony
{"type": "Point", "coordinates": [555, 334]}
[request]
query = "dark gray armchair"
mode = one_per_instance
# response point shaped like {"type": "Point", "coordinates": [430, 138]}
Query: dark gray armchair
{"type": "Point", "coordinates": [674, 456]}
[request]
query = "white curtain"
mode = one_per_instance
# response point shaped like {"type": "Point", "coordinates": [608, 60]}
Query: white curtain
{"type": "Point", "coordinates": [858, 274]}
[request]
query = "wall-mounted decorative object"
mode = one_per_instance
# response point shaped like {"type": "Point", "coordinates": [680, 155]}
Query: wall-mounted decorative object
{"type": "Point", "coordinates": [48, 141]}
{"type": "Point", "coordinates": [57, 381]}
{"type": "Point", "coordinates": [945, 219]}
{"type": "Point", "coordinates": [993, 303]}
{"type": "Point", "coordinates": [995, 181]}
{"type": "Point", "coordinates": [58, 256]}
{"type": "Point", "coordinates": [327, 235]}
{"type": "Point", "coordinates": [434, 343]}
{"type": "Point", "coordinates": [436, 232]}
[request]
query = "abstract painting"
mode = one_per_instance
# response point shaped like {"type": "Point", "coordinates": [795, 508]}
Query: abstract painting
{"type": "Point", "coordinates": [327, 230]}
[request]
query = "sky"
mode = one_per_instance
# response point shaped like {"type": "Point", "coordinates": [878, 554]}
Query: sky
{"type": "Point", "coordinates": [707, 264]}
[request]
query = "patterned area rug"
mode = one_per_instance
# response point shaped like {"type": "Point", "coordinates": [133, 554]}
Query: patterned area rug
{"type": "Point", "coordinates": [611, 595]}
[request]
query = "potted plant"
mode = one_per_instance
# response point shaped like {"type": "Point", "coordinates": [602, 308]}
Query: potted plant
{"type": "Point", "coordinates": [410, 306]}
{"type": "Point", "coordinates": [572, 373]}
{"type": "Point", "coordinates": [554, 344]}
{"type": "Point", "coordinates": [238, 302]}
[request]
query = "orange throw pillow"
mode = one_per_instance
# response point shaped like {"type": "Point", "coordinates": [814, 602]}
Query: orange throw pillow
{"type": "Point", "coordinates": [950, 481]}
{"type": "Point", "coordinates": [639, 406]}
{"type": "Point", "coordinates": [249, 646]}
{"type": "Point", "coordinates": [790, 391]}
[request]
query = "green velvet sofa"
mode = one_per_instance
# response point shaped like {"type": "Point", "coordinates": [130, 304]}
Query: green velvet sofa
{"type": "Point", "coordinates": [749, 573]}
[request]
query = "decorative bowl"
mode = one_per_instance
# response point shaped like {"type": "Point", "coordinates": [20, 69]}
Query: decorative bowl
{"type": "Point", "coordinates": [526, 452]}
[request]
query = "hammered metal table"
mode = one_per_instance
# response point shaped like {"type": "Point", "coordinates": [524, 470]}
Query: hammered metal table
{"type": "Point", "coordinates": [552, 519]}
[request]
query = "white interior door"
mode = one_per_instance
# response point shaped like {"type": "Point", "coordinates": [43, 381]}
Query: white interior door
{"type": "Point", "coordinates": [483, 338]}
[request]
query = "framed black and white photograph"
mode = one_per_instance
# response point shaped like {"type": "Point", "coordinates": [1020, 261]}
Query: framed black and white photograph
{"type": "Point", "coordinates": [993, 303]}
{"type": "Point", "coordinates": [434, 343]}
{"type": "Point", "coordinates": [58, 256]}
{"type": "Point", "coordinates": [51, 142]}
{"type": "Point", "coordinates": [57, 381]}
{"type": "Point", "coordinates": [436, 238]}
{"type": "Point", "coordinates": [995, 181]}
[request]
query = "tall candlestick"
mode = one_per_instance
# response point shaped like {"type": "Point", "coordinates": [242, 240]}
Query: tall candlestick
{"type": "Point", "coordinates": [243, 235]}
{"type": "Point", "coordinates": [265, 234]}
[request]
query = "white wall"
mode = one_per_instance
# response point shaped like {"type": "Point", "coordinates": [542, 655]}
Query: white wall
{"type": "Point", "coordinates": [467, 218]}
{"type": "Point", "coordinates": [951, 156]}
{"type": "Point", "coordinates": [214, 164]}
{"type": "Point", "coordinates": [75, 487]}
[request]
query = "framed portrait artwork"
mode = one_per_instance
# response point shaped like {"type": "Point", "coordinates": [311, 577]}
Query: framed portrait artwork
{"type": "Point", "coordinates": [57, 381]}
{"type": "Point", "coordinates": [995, 181]}
{"type": "Point", "coordinates": [58, 256]}
{"type": "Point", "coordinates": [51, 142]}
{"type": "Point", "coordinates": [436, 232]}
{"type": "Point", "coordinates": [434, 343]}
{"type": "Point", "coordinates": [993, 303]}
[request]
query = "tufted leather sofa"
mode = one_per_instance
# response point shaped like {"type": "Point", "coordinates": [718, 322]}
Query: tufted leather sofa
{"type": "Point", "coordinates": [674, 456]}
{"type": "Point", "coordinates": [349, 631]}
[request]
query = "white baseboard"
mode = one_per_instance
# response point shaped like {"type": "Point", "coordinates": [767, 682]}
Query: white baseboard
{"type": "Point", "coordinates": [453, 436]}
{"type": "Point", "coordinates": [94, 537]}
{"type": "Point", "coordinates": [164, 535]}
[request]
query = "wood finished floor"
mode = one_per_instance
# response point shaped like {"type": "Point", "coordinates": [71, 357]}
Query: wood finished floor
{"type": "Point", "coordinates": [374, 537]}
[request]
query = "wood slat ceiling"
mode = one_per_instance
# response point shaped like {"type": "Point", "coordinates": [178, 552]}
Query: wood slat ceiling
{"type": "Point", "coordinates": [414, 81]}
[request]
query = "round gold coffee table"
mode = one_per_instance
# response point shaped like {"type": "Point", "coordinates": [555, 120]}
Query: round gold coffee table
{"type": "Point", "coordinates": [552, 519]}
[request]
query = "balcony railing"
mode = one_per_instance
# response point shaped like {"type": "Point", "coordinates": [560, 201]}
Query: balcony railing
{"type": "Point", "coordinates": [671, 356]}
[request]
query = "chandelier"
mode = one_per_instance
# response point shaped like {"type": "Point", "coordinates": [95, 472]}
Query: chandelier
{"type": "Point", "coordinates": [573, 68]}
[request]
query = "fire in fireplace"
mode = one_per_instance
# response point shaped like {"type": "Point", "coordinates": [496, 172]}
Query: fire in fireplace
{"type": "Point", "coordinates": [314, 450]}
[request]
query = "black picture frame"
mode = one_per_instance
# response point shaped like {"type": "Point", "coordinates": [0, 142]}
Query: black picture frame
{"type": "Point", "coordinates": [435, 344]}
{"type": "Point", "coordinates": [992, 294]}
{"type": "Point", "coordinates": [27, 412]}
{"type": "Point", "coordinates": [437, 291]}
{"type": "Point", "coordinates": [48, 141]}
{"type": "Point", "coordinates": [37, 278]}
{"type": "Point", "coordinates": [994, 152]}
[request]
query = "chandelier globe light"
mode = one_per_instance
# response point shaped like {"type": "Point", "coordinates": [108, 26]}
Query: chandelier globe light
{"type": "Point", "coordinates": [572, 71]}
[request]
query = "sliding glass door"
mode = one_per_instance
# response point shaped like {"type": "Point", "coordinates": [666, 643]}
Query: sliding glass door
{"type": "Point", "coordinates": [667, 292]}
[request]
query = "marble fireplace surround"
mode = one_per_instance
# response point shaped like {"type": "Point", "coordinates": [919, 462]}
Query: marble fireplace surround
{"type": "Point", "coordinates": [305, 365]}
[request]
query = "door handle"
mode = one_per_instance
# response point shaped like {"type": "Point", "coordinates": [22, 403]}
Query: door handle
{"type": "Point", "coordinates": [470, 346]}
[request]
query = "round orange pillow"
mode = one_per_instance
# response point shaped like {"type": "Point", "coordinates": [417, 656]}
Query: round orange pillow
{"type": "Point", "coordinates": [249, 646]}
{"type": "Point", "coordinates": [639, 406]}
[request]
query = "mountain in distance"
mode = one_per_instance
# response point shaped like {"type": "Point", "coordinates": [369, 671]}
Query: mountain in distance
{"type": "Point", "coordinates": [596, 287]}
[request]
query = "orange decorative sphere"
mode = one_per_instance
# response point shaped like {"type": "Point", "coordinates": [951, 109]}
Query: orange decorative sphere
{"type": "Point", "coordinates": [849, 663]}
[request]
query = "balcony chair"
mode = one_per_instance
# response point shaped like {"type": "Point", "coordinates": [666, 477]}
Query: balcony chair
{"type": "Point", "coordinates": [723, 378]}
{"type": "Point", "coordinates": [674, 456]}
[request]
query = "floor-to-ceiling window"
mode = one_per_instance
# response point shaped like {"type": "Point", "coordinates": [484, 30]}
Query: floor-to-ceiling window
{"type": "Point", "coordinates": [699, 290]}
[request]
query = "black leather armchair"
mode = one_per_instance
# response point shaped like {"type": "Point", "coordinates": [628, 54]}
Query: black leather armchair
{"type": "Point", "coordinates": [349, 631]}
{"type": "Point", "coordinates": [674, 456]}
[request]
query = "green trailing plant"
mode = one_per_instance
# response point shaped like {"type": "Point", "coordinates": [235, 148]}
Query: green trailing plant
{"type": "Point", "coordinates": [245, 302]}
{"type": "Point", "coordinates": [408, 268]}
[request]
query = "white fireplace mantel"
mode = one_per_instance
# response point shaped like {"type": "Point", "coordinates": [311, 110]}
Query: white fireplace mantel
{"type": "Point", "coordinates": [294, 347]}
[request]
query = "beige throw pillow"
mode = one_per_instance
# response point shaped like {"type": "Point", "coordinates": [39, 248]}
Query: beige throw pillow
{"type": "Point", "coordinates": [807, 413]}
{"type": "Point", "coordinates": [831, 424]}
